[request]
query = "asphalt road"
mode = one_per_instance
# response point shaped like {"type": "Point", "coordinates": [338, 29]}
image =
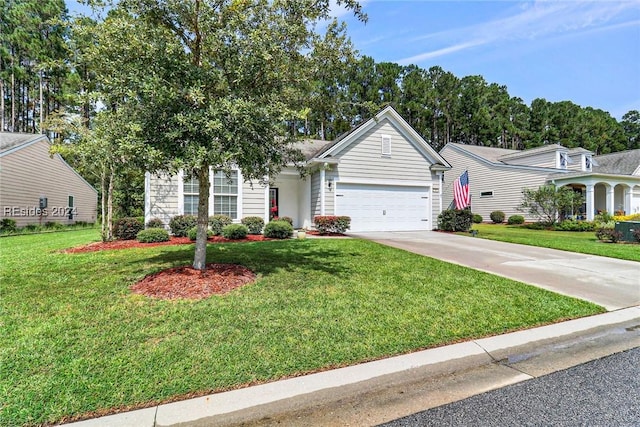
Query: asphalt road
{"type": "Point", "coordinates": [604, 392]}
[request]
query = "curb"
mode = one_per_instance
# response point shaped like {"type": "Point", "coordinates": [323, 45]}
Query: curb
{"type": "Point", "coordinates": [325, 386]}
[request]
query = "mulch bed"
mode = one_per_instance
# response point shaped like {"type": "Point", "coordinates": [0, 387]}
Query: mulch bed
{"type": "Point", "coordinates": [127, 244]}
{"type": "Point", "coordinates": [189, 283]}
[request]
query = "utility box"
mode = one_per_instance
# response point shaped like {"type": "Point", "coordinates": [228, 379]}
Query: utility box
{"type": "Point", "coordinates": [627, 229]}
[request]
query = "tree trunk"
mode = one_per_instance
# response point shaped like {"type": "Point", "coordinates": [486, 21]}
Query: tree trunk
{"type": "Point", "coordinates": [200, 257]}
{"type": "Point", "coordinates": [2, 129]}
{"type": "Point", "coordinates": [103, 206]}
{"type": "Point", "coordinates": [13, 98]}
{"type": "Point", "coordinates": [112, 175]}
{"type": "Point", "coordinates": [41, 104]}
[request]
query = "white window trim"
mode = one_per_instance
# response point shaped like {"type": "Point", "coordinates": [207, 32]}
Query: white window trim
{"type": "Point", "coordinates": [561, 155]}
{"type": "Point", "coordinates": [211, 194]}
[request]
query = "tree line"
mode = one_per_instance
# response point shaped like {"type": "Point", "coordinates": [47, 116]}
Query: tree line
{"type": "Point", "coordinates": [42, 71]}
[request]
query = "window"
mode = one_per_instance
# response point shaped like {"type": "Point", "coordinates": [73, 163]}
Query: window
{"type": "Point", "coordinates": [70, 207]}
{"type": "Point", "coordinates": [486, 194]}
{"type": "Point", "coordinates": [190, 191]}
{"type": "Point", "coordinates": [225, 194]}
{"type": "Point", "coordinates": [587, 163]}
{"type": "Point", "coordinates": [563, 160]}
{"type": "Point", "coordinates": [386, 145]}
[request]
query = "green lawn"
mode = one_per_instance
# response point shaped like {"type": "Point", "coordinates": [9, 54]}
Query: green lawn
{"type": "Point", "coordinates": [582, 242]}
{"type": "Point", "coordinates": [76, 341]}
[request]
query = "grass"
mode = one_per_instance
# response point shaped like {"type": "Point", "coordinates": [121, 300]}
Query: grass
{"type": "Point", "coordinates": [76, 342]}
{"type": "Point", "coordinates": [573, 241]}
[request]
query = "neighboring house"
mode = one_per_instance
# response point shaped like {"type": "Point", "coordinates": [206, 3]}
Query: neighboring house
{"type": "Point", "coordinates": [497, 177]}
{"type": "Point", "coordinates": [382, 174]}
{"type": "Point", "coordinates": [29, 174]}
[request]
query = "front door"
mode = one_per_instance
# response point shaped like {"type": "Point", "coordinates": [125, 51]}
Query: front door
{"type": "Point", "coordinates": [273, 203]}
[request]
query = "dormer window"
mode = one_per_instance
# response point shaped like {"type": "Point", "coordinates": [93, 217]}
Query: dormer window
{"type": "Point", "coordinates": [588, 163]}
{"type": "Point", "coordinates": [563, 160]}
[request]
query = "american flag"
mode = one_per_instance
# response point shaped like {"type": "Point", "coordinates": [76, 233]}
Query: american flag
{"type": "Point", "coordinates": [461, 195]}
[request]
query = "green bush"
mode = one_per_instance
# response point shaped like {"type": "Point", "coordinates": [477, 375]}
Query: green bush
{"type": "Point", "coordinates": [455, 220]}
{"type": "Point", "coordinates": [331, 223]}
{"type": "Point", "coordinates": [31, 227]}
{"type": "Point", "coordinates": [278, 229]}
{"type": "Point", "coordinates": [636, 234]}
{"type": "Point", "coordinates": [152, 235]}
{"type": "Point", "coordinates": [235, 231]}
{"type": "Point", "coordinates": [218, 222]}
{"type": "Point", "coordinates": [608, 235]}
{"type": "Point", "coordinates": [283, 218]}
{"type": "Point", "coordinates": [497, 217]}
{"type": "Point", "coordinates": [515, 219]}
{"type": "Point", "coordinates": [573, 225]}
{"type": "Point", "coordinates": [127, 228]}
{"type": "Point", "coordinates": [603, 218]}
{"type": "Point", "coordinates": [155, 223]}
{"type": "Point", "coordinates": [477, 219]}
{"type": "Point", "coordinates": [192, 234]}
{"type": "Point", "coordinates": [8, 225]}
{"type": "Point", "coordinates": [254, 224]}
{"type": "Point", "coordinates": [181, 224]}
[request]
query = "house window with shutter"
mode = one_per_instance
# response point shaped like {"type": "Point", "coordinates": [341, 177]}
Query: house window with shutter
{"type": "Point", "coordinates": [587, 163]}
{"type": "Point", "coordinates": [386, 145]}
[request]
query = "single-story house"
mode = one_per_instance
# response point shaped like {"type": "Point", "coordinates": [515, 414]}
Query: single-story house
{"type": "Point", "coordinates": [382, 174]}
{"type": "Point", "coordinates": [497, 176]}
{"type": "Point", "coordinates": [36, 187]}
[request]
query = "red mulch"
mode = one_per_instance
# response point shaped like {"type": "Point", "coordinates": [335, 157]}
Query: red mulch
{"type": "Point", "coordinates": [188, 283]}
{"type": "Point", "coordinates": [127, 244]}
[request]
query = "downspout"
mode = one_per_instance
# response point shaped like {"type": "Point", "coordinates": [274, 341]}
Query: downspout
{"type": "Point", "coordinates": [322, 184]}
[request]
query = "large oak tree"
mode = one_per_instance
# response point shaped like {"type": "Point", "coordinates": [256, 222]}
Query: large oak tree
{"type": "Point", "coordinates": [213, 83]}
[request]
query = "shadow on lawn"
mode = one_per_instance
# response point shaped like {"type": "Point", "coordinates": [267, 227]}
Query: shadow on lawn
{"type": "Point", "coordinates": [262, 257]}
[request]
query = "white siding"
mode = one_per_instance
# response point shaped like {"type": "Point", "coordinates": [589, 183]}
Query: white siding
{"type": "Point", "coordinates": [163, 197]}
{"type": "Point", "coordinates": [29, 173]}
{"type": "Point", "coordinates": [543, 160]}
{"type": "Point", "coordinates": [363, 158]}
{"type": "Point", "coordinates": [315, 194]}
{"type": "Point", "coordinates": [253, 203]}
{"type": "Point", "coordinates": [506, 184]}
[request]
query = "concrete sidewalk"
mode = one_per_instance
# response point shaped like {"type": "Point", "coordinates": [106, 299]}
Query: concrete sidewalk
{"type": "Point", "coordinates": [609, 282]}
{"type": "Point", "coordinates": [441, 375]}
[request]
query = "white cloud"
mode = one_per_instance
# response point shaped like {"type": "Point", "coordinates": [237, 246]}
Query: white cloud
{"type": "Point", "coordinates": [531, 21]}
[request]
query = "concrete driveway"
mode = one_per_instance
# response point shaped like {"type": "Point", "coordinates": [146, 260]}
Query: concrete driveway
{"type": "Point", "coordinates": [609, 282]}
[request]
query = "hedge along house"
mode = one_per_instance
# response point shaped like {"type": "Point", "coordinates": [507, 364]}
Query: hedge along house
{"type": "Point", "coordinates": [36, 187]}
{"type": "Point", "coordinates": [382, 174]}
{"type": "Point", "coordinates": [497, 177]}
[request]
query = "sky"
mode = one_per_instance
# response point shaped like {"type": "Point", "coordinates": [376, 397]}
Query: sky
{"type": "Point", "coordinates": [586, 52]}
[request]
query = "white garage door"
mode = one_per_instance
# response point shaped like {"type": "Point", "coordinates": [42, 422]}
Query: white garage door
{"type": "Point", "coordinates": [384, 207]}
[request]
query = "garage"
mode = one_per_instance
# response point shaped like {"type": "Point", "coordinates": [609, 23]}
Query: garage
{"type": "Point", "coordinates": [384, 207]}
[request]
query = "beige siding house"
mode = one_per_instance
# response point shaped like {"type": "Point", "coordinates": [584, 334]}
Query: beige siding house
{"type": "Point", "coordinates": [28, 173]}
{"type": "Point", "coordinates": [382, 174]}
{"type": "Point", "coordinates": [497, 177]}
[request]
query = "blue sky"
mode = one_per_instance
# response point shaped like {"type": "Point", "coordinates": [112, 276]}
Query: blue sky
{"type": "Point", "coordinates": [587, 52]}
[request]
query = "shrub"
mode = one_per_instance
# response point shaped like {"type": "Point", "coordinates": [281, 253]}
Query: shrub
{"type": "Point", "coordinates": [278, 229]}
{"type": "Point", "coordinates": [127, 228]}
{"type": "Point", "coordinates": [573, 225]}
{"type": "Point", "coordinates": [254, 224]}
{"type": "Point", "coordinates": [603, 218]}
{"type": "Point", "coordinates": [332, 224]}
{"type": "Point", "coordinates": [455, 220]}
{"type": "Point", "coordinates": [283, 218]}
{"type": "Point", "coordinates": [235, 231]}
{"type": "Point", "coordinates": [31, 227]}
{"type": "Point", "coordinates": [8, 225]}
{"type": "Point", "coordinates": [218, 222]}
{"type": "Point", "coordinates": [608, 235]}
{"type": "Point", "coordinates": [192, 234]}
{"type": "Point", "coordinates": [636, 234]}
{"type": "Point", "coordinates": [497, 217]}
{"type": "Point", "coordinates": [152, 235]}
{"type": "Point", "coordinates": [181, 224]}
{"type": "Point", "coordinates": [536, 226]}
{"type": "Point", "coordinates": [477, 219]}
{"type": "Point", "coordinates": [155, 223]}
{"type": "Point", "coordinates": [515, 219]}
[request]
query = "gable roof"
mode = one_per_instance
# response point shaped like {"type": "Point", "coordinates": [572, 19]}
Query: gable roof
{"type": "Point", "coordinates": [620, 163]}
{"type": "Point", "coordinates": [11, 142]}
{"type": "Point", "coordinates": [334, 147]}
